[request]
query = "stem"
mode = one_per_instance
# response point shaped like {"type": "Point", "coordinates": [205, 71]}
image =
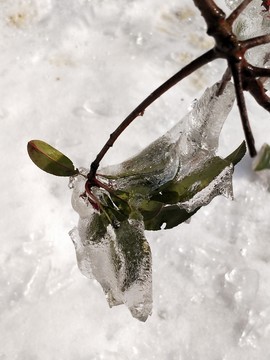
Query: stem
{"type": "Point", "coordinates": [257, 41]}
{"type": "Point", "coordinates": [211, 13]}
{"type": "Point", "coordinates": [139, 110]}
{"type": "Point", "coordinates": [238, 85]}
{"type": "Point", "coordinates": [257, 91]}
{"type": "Point", "coordinates": [257, 71]}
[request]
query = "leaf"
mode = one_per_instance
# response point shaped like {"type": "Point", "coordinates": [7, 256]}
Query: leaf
{"type": "Point", "coordinates": [183, 190]}
{"type": "Point", "coordinates": [262, 161]}
{"type": "Point", "coordinates": [168, 217]}
{"type": "Point", "coordinates": [179, 191]}
{"type": "Point", "coordinates": [237, 154]}
{"type": "Point", "coordinates": [49, 159]}
{"type": "Point", "coordinates": [135, 267]}
{"type": "Point", "coordinates": [150, 209]}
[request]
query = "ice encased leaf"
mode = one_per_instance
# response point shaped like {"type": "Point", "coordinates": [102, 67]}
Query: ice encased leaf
{"type": "Point", "coordinates": [221, 185]}
{"type": "Point", "coordinates": [201, 128]}
{"type": "Point", "coordinates": [185, 147]}
{"type": "Point", "coordinates": [183, 154]}
{"type": "Point", "coordinates": [118, 258]}
{"type": "Point", "coordinates": [135, 273]}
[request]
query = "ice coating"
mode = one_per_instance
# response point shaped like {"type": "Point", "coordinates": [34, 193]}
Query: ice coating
{"type": "Point", "coordinates": [203, 126]}
{"type": "Point", "coordinates": [232, 4]}
{"type": "Point", "coordinates": [135, 273]}
{"type": "Point", "coordinates": [153, 166]}
{"type": "Point", "coordinates": [118, 258]}
{"type": "Point", "coordinates": [192, 141]}
{"type": "Point", "coordinates": [222, 185]}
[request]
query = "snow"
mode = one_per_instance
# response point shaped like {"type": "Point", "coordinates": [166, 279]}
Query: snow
{"type": "Point", "coordinates": [70, 72]}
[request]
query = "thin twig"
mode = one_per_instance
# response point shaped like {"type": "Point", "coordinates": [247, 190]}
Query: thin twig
{"type": "Point", "coordinates": [238, 85]}
{"type": "Point", "coordinates": [257, 41]}
{"type": "Point", "coordinates": [254, 71]}
{"type": "Point", "coordinates": [257, 91]}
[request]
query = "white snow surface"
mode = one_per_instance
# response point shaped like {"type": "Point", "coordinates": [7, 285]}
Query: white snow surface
{"type": "Point", "coordinates": [70, 72]}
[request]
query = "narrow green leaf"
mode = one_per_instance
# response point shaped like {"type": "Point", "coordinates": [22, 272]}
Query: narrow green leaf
{"type": "Point", "coordinates": [135, 251]}
{"type": "Point", "coordinates": [183, 190]}
{"type": "Point", "coordinates": [237, 154]}
{"type": "Point", "coordinates": [49, 159]}
{"type": "Point", "coordinates": [262, 161]}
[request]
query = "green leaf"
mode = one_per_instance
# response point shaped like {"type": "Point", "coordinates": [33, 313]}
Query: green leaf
{"type": "Point", "coordinates": [49, 159]}
{"type": "Point", "coordinates": [262, 161]}
{"type": "Point", "coordinates": [237, 154]}
{"type": "Point", "coordinates": [183, 190]}
{"type": "Point", "coordinates": [168, 217]}
{"type": "Point", "coordinates": [150, 209]}
{"type": "Point", "coordinates": [135, 251]}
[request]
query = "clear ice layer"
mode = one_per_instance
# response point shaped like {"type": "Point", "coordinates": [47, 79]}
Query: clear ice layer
{"type": "Point", "coordinates": [182, 149]}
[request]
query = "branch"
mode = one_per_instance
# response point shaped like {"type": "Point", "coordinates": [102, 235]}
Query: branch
{"type": "Point", "coordinates": [211, 13]}
{"type": "Point", "coordinates": [257, 41]}
{"type": "Point", "coordinates": [238, 85]}
{"type": "Point", "coordinates": [254, 71]}
{"type": "Point", "coordinates": [256, 89]}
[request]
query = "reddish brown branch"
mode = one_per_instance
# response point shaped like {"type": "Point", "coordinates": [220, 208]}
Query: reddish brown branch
{"type": "Point", "coordinates": [236, 73]}
{"type": "Point", "coordinates": [257, 41]}
{"type": "Point", "coordinates": [257, 91]}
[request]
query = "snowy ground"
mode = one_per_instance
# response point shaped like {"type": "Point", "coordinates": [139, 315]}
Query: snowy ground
{"type": "Point", "coordinates": [70, 72]}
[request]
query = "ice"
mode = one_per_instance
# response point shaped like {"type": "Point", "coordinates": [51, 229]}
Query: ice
{"type": "Point", "coordinates": [153, 166]}
{"type": "Point", "coordinates": [203, 126]}
{"type": "Point", "coordinates": [136, 268]}
{"type": "Point", "coordinates": [118, 258]}
{"type": "Point", "coordinates": [222, 185]}
{"type": "Point", "coordinates": [232, 4]}
{"type": "Point", "coordinates": [184, 149]}
{"type": "Point", "coordinates": [187, 146]}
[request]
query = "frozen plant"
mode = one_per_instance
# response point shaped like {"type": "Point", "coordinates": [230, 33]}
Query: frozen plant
{"type": "Point", "coordinates": [171, 179]}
